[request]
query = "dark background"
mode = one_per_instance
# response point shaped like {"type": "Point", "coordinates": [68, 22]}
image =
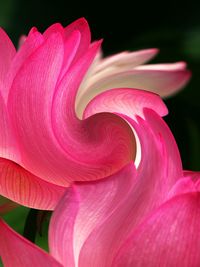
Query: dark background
{"type": "Point", "coordinates": [172, 26]}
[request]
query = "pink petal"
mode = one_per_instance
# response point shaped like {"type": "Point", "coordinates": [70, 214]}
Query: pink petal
{"type": "Point", "coordinates": [31, 43]}
{"type": "Point", "coordinates": [83, 207]}
{"type": "Point", "coordinates": [162, 82]}
{"type": "Point", "coordinates": [82, 26]}
{"type": "Point", "coordinates": [157, 173]}
{"type": "Point", "coordinates": [93, 134]}
{"type": "Point", "coordinates": [26, 189]}
{"type": "Point", "coordinates": [8, 144]}
{"type": "Point", "coordinates": [7, 52]}
{"type": "Point", "coordinates": [129, 102]}
{"type": "Point", "coordinates": [15, 251]}
{"type": "Point", "coordinates": [96, 218]}
{"type": "Point", "coordinates": [168, 238]}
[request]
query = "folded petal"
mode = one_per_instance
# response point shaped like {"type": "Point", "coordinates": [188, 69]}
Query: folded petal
{"type": "Point", "coordinates": [162, 82]}
{"type": "Point", "coordinates": [16, 251]}
{"type": "Point", "coordinates": [26, 189]}
{"type": "Point", "coordinates": [96, 218]}
{"type": "Point", "coordinates": [156, 173]}
{"type": "Point", "coordinates": [168, 238]}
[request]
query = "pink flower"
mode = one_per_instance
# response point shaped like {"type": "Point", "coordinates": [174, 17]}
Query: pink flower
{"type": "Point", "coordinates": [147, 216]}
{"type": "Point", "coordinates": [44, 146]}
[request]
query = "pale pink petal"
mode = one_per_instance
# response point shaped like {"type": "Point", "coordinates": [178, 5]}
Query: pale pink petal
{"type": "Point", "coordinates": [7, 52]}
{"type": "Point", "coordinates": [83, 207]}
{"type": "Point", "coordinates": [16, 251]}
{"type": "Point", "coordinates": [162, 82]}
{"type": "Point", "coordinates": [168, 238]}
{"type": "Point", "coordinates": [8, 145]}
{"type": "Point", "coordinates": [129, 102]}
{"type": "Point", "coordinates": [26, 189]}
{"type": "Point", "coordinates": [127, 60]}
{"type": "Point", "coordinates": [165, 66]}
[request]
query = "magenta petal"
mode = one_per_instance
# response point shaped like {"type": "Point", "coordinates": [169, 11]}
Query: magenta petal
{"type": "Point", "coordinates": [15, 251]}
{"type": "Point", "coordinates": [7, 52]}
{"type": "Point", "coordinates": [26, 189]}
{"type": "Point", "coordinates": [82, 26]}
{"type": "Point", "coordinates": [169, 238]}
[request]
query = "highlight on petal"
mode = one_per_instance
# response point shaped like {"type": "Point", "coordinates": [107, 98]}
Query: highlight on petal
{"type": "Point", "coordinates": [170, 237]}
{"type": "Point", "coordinates": [16, 251]}
{"type": "Point", "coordinates": [26, 189]}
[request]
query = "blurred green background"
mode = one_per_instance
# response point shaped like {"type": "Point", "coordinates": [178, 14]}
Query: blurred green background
{"type": "Point", "coordinates": [172, 26]}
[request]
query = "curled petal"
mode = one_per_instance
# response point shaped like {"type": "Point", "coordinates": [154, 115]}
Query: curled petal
{"type": "Point", "coordinates": [16, 251]}
{"type": "Point", "coordinates": [170, 237]}
{"type": "Point", "coordinates": [162, 82]}
{"type": "Point", "coordinates": [96, 218]}
{"type": "Point", "coordinates": [129, 102]}
{"type": "Point", "coordinates": [26, 189]}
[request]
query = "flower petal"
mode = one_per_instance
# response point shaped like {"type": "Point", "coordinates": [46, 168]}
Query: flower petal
{"type": "Point", "coordinates": [127, 60]}
{"type": "Point", "coordinates": [162, 82]}
{"type": "Point", "coordinates": [7, 52]}
{"type": "Point", "coordinates": [16, 251]}
{"type": "Point", "coordinates": [8, 144]}
{"type": "Point", "coordinates": [83, 207]}
{"type": "Point", "coordinates": [168, 238]}
{"type": "Point", "coordinates": [156, 173]}
{"type": "Point", "coordinates": [96, 218]}
{"type": "Point", "coordinates": [82, 26]}
{"type": "Point", "coordinates": [26, 189]}
{"type": "Point", "coordinates": [129, 102]}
